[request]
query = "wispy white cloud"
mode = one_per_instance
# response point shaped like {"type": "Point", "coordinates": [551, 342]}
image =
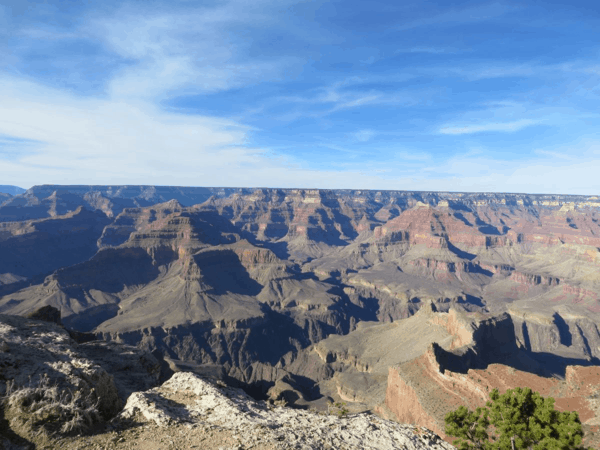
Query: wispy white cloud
{"type": "Point", "coordinates": [430, 50]}
{"type": "Point", "coordinates": [364, 135]}
{"type": "Point", "coordinates": [112, 141]}
{"type": "Point", "coordinates": [109, 138]}
{"type": "Point", "coordinates": [354, 101]}
{"type": "Point", "coordinates": [572, 70]}
{"type": "Point", "coordinates": [91, 141]}
{"type": "Point", "coordinates": [47, 34]}
{"type": "Point", "coordinates": [544, 173]}
{"type": "Point", "coordinates": [556, 156]}
{"type": "Point", "coordinates": [349, 93]}
{"type": "Point", "coordinates": [369, 60]}
{"type": "Point", "coordinates": [503, 71]}
{"type": "Point", "coordinates": [414, 156]}
{"type": "Point", "coordinates": [477, 71]}
{"type": "Point", "coordinates": [459, 16]}
{"type": "Point", "coordinates": [195, 49]}
{"type": "Point", "coordinates": [505, 127]}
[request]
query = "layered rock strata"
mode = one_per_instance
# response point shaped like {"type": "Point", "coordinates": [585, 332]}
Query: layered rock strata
{"type": "Point", "coordinates": [247, 283]}
{"type": "Point", "coordinates": [421, 392]}
{"type": "Point", "coordinates": [489, 353]}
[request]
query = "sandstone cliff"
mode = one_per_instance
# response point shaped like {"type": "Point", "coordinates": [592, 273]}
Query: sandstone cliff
{"type": "Point", "coordinates": [423, 390]}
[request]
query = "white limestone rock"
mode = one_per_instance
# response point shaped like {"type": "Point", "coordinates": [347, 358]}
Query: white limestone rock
{"type": "Point", "coordinates": [187, 398]}
{"type": "Point", "coordinates": [38, 349]}
{"type": "Point", "coordinates": [32, 349]}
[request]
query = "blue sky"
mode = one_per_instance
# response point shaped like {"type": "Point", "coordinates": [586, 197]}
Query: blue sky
{"type": "Point", "coordinates": [452, 96]}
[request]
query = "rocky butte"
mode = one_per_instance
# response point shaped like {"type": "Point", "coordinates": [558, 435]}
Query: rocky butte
{"type": "Point", "coordinates": [402, 304]}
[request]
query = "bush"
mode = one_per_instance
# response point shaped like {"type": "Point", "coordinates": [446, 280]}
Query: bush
{"type": "Point", "coordinates": [337, 408]}
{"type": "Point", "coordinates": [519, 419]}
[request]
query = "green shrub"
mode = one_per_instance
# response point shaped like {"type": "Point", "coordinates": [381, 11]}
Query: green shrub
{"type": "Point", "coordinates": [337, 408]}
{"type": "Point", "coordinates": [519, 419]}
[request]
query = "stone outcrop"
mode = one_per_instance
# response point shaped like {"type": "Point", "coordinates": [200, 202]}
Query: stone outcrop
{"type": "Point", "coordinates": [533, 279]}
{"type": "Point", "coordinates": [187, 398]}
{"type": "Point", "coordinates": [37, 354]}
{"type": "Point", "coordinates": [36, 348]}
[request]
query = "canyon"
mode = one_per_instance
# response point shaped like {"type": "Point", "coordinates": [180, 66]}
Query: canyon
{"type": "Point", "coordinates": [406, 304]}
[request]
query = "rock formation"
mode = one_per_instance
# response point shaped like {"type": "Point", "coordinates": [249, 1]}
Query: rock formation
{"type": "Point", "coordinates": [188, 399]}
{"type": "Point", "coordinates": [311, 292]}
{"type": "Point", "coordinates": [38, 357]}
{"type": "Point", "coordinates": [424, 389]}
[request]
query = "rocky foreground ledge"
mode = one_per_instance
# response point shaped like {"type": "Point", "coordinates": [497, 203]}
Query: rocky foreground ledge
{"type": "Point", "coordinates": [45, 373]}
{"type": "Point", "coordinates": [186, 399]}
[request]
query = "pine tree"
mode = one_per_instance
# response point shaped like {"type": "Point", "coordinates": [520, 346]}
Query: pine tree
{"type": "Point", "coordinates": [519, 419]}
{"type": "Point", "coordinates": [470, 428]}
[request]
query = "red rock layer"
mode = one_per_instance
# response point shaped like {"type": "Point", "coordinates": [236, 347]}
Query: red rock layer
{"type": "Point", "coordinates": [420, 393]}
